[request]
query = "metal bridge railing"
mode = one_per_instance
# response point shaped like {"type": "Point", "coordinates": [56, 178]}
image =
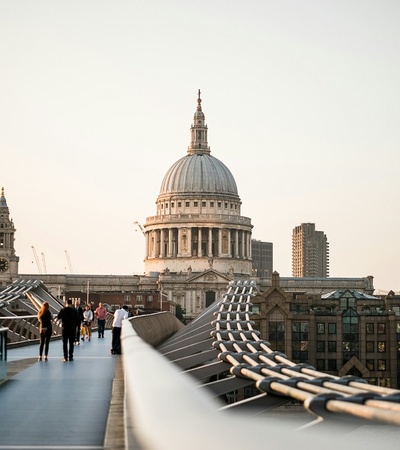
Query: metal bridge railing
{"type": "Point", "coordinates": [3, 353]}
{"type": "Point", "coordinates": [222, 353]}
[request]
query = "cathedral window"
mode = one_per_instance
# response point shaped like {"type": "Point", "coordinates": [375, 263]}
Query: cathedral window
{"type": "Point", "coordinates": [219, 204]}
{"type": "Point", "coordinates": [203, 204]}
{"type": "Point", "coordinates": [172, 204]}
{"type": "Point", "coordinates": [196, 204]}
{"type": "Point", "coordinates": [226, 205]}
{"type": "Point", "coordinates": [187, 204]}
{"type": "Point", "coordinates": [211, 204]}
{"type": "Point", "coordinates": [179, 204]}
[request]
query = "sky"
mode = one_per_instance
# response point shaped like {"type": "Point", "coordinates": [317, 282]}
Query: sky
{"type": "Point", "coordinates": [301, 99]}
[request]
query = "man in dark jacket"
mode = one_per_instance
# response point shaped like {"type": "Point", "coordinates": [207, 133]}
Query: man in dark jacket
{"type": "Point", "coordinates": [69, 319]}
{"type": "Point", "coordinates": [79, 311]}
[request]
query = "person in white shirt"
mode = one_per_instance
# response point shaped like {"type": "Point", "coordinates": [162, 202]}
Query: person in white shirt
{"type": "Point", "coordinates": [119, 316]}
{"type": "Point", "coordinates": [87, 321]}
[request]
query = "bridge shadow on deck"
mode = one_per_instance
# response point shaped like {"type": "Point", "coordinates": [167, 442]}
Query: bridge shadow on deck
{"type": "Point", "coordinates": [58, 404]}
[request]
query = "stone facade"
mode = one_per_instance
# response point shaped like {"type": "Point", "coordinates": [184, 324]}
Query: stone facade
{"type": "Point", "coordinates": [198, 225]}
{"type": "Point", "coordinates": [8, 259]}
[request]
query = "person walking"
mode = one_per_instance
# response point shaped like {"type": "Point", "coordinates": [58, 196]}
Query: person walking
{"type": "Point", "coordinates": [79, 311]}
{"type": "Point", "coordinates": [46, 330]}
{"type": "Point", "coordinates": [101, 314]}
{"type": "Point", "coordinates": [69, 319]}
{"type": "Point", "coordinates": [87, 320]}
{"type": "Point", "coordinates": [119, 316]}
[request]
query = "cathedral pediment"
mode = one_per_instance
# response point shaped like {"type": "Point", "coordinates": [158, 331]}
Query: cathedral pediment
{"type": "Point", "coordinates": [209, 276]}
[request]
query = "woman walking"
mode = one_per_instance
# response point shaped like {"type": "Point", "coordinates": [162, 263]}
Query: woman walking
{"type": "Point", "coordinates": [87, 320]}
{"type": "Point", "coordinates": [46, 330]}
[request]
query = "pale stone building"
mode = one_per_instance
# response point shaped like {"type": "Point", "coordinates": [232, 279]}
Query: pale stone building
{"type": "Point", "coordinates": [198, 223]}
{"type": "Point", "coordinates": [8, 258]}
{"type": "Point", "coordinates": [198, 240]}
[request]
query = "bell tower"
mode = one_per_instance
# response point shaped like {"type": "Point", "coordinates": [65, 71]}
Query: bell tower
{"type": "Point", "coordinates": [8, 259]}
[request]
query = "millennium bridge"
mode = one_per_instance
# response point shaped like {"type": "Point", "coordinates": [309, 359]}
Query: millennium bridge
{"type": "Point", "coordinates": [211, 384]}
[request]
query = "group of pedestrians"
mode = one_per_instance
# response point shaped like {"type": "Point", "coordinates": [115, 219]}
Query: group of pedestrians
{"type": "Point", "coordinates": [76, 324]}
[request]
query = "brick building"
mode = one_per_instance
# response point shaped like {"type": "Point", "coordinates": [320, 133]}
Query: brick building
{"type": "Point", "coordinates": [344, 332]}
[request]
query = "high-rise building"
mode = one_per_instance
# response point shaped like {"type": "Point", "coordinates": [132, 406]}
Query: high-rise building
{"type": "Point", "coordinates": [262, 255]}
{"type": "Point", "coordinates": [310, 252]}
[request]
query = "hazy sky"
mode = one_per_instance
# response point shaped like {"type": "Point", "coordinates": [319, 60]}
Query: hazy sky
{"type": "Point", "coordinates": [301, 98]}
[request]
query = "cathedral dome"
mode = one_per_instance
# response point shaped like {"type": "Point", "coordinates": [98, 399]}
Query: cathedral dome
{"type": "Point", "coordinates": [198, 224]}
{"type": "Point", "coordinates": [199, 173]}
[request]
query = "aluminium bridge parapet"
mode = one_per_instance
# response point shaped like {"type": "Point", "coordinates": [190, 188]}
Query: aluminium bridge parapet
{"type": "Point", "coordinates": [156, 328]}
{"type": "Point", "coordinates": [166, 408]}
{"type": "Point", "coordinates": [227, 359]}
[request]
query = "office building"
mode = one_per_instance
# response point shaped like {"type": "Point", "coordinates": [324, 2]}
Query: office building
{"type": "Point", "coordinates": [310, 252]}
{"type": "Point", "coordinates": [262, 255]}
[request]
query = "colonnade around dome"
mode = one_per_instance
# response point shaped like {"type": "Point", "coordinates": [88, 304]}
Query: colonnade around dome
{"type": "Point", "coordinates": [224, 248]}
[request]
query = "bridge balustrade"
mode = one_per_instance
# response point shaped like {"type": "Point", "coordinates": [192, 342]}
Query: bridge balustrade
{"type": "Point", "coordinates": [3, 353]}
{"type": "Point", "coordinates": [224, 355]}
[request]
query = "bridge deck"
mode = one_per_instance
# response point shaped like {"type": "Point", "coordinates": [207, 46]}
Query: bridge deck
{"type": "Point", "coordinates": [58, 404]}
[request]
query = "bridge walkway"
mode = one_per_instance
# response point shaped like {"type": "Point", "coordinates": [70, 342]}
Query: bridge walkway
{"type": "Point", "coordinates": [55, 404]}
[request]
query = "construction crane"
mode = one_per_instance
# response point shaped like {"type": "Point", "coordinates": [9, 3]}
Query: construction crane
{"type": "Point", "coordinates": [37, 259]}
{"type": "Point", "coordinates": [140, 227]}
{"type": "Point", "coordinates": [69, 262]}
{"type": "Point", "coordinates": [44, 263]}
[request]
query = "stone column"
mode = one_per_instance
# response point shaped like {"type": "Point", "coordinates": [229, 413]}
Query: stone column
{"type": "Point", "coordinates": [169, 242]}
{"type": "Point", "coordinates": [189, 241]}
{"type": "Point", "coordinates": [162, 243]}
{"type": "Point", "coordinates": [236, 244]}
{"type": "Point", "coordinates": [210, 242]}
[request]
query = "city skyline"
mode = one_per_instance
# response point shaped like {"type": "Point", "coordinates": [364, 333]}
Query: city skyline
{"type": "Point", "coordinates": [301, 103]}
